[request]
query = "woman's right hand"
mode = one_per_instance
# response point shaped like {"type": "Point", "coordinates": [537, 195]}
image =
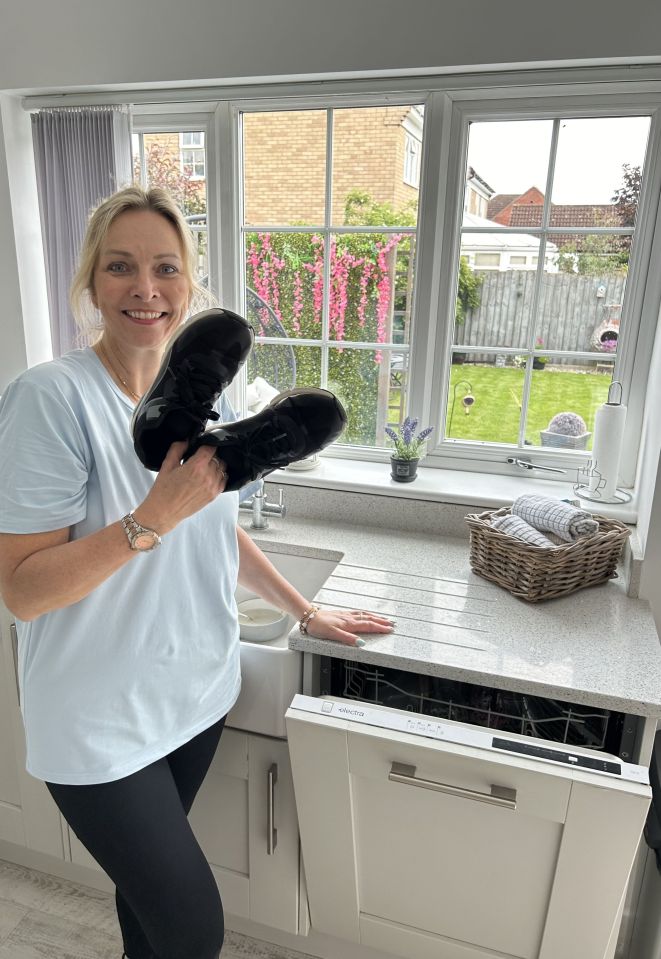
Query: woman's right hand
{"type": "Point", "coordinates": [181, 489]}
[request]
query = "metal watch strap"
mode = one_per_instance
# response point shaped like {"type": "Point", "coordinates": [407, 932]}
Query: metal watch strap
{"type": "Point", "coordinates": [134, 530]}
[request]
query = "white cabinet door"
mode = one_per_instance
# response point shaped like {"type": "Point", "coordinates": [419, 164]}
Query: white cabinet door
{"type": "Point", "coordinates": [219, 818]}
{"type": "Point", "coordinates": [11, 814]}
{"type": "Point", "coordinates": [425, 847]}
{"type": "Point", "coordinates": [245, 820]}
{"type": "Point", "coordinates": [273, 844]}
{"type": "Point", "coordinates": [28, 815]}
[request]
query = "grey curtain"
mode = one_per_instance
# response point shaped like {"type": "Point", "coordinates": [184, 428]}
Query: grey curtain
{"type": "Point", "coordinates": [82, 155]}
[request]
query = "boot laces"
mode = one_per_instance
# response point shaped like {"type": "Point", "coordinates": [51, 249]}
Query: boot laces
{"type": "Point", "coordinates": [194, 386]}
{"type": "Point", "coordinates": [277, 441]}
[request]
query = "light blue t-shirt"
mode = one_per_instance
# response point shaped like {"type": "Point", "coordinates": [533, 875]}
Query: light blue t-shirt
{"type": "Point", "coordinates": [149, 658]}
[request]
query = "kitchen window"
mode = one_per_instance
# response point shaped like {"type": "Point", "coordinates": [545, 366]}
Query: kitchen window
{"type": "Point", "coordinates": [404, 300]}
{"type": "Point", "coordinates": [531, 310]}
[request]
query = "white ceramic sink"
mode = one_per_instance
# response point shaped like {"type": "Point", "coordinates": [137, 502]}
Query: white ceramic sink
{"type": "Point", "coordinates": [271, 673]}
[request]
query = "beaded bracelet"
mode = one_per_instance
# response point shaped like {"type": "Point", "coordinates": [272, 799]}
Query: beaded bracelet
{"type": "Point", "coordinates": [308, 615]}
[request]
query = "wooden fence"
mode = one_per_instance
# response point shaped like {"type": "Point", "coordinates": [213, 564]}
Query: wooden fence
{"type": "Point", "coordinates": [570, 308]}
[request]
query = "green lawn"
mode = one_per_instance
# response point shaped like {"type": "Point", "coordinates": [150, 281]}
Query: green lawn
{"type": "Point", "coordinates": [494, 416]}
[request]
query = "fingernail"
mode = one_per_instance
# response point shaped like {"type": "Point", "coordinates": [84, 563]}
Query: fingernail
{"type": "Point", "coordinates": [360, 642]}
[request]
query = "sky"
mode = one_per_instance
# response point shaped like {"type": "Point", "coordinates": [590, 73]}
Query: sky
{"type": "Point", "coordinates": [513, 155]}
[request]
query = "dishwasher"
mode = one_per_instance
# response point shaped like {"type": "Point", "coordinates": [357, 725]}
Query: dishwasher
{"type": "Point", "coordinates": [445, 819]}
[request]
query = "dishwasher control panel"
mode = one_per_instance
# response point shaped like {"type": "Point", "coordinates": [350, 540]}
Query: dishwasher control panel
{"type": "Point", "coordinates": [430, 728]}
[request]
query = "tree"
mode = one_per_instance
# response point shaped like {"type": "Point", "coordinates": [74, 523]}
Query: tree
{"type": "Point", "coordinates": [468, 290]}
{"type": "Point", "coordinates": [627, 195]}
{"type": "Point", "coordinates": [603, 254]}
{"type": "Point", "coordinates": [594, 255]}
{"type": "Point", "coordinates": [163, 170]}
{"type": "Point", "coordinates": [362, 210]}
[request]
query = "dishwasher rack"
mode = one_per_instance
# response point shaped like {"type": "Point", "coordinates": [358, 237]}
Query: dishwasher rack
{"type": "Point", "coordinates": [506, 711]}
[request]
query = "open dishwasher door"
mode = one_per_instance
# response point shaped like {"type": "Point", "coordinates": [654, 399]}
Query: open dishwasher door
{"type": "Point", "coordinates": [438, 840]}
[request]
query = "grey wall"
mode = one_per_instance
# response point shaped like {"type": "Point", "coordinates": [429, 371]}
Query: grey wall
{"type": "Point", "coordinates": [71, 43]}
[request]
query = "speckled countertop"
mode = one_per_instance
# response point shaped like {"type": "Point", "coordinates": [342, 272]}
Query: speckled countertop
{"type": "Point", "coordinates": [596, 646]}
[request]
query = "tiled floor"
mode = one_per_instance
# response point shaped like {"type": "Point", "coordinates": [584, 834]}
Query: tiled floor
{"type": "Point", "coordinates": [43, 917]}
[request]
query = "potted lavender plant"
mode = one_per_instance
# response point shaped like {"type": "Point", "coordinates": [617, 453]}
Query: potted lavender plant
{"type": "Point", "coordinates": [406, 454]}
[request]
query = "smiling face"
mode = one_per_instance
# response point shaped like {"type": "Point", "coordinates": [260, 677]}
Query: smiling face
{"type": "Point", "coordinates": [139, 284]}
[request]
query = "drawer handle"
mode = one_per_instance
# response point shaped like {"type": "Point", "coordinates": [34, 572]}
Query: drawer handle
{"type": "Point", "coordinates": [271, 831]}
{"type": "Point", "coordinates": [499, 795]}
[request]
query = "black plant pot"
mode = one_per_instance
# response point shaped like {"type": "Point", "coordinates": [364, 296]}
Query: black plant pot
{"type": "Point", "coordinates": [538, 364]}
{"type": "Point", "coordinates": [403, 471]}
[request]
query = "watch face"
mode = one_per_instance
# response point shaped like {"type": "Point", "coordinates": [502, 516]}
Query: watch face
{"type": "Point", "coordinates": [145, 540]}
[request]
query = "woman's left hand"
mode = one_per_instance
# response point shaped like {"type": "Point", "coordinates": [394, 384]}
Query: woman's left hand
{"type": "Point", "coordinates": [343, 626]}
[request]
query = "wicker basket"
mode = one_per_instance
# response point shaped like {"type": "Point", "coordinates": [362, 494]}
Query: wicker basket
{"type": "Point", "coordinates": [534, 573]}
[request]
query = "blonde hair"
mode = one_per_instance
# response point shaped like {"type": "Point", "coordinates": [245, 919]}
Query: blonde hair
{"type": "Point", "coordinates": [155, 200]}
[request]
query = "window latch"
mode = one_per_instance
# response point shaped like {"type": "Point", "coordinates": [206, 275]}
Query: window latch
{"type": "Point", "coordinates": [527, 465]}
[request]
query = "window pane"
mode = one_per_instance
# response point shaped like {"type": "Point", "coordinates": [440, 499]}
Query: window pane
{"type": "Point", "coordinates": [284, 160]}
{"type": "Point", "coordinates": [495, 305]}
{"type": "Point", "coordinates": [361, 381]}
{"type": "Point", "coordinates": [484, 403]}
{"type": "Point", "coordinates": [507, 168]}
{"type": "Point", "coordinates": [598, 163]}
{"type": "Point", "coordinates": [158, 160]}
{"type": "Point", "coordinates": [200, 236]}
{"type": "Point", "coordinates": [563, 403]}
{"type": "Point", "coordinates": [375, 177]}
{"type": "Point", "coordinates": [284, 280]}
{"type": "Point", "coordinates": [164, 167]}
{"type": "Point", "coordinates": [371, 287]}
{"type": "Point", "coordinates": [280, 367]}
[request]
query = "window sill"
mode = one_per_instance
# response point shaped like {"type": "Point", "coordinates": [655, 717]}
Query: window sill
{"type": "Point", "coordinates": [481, 490]}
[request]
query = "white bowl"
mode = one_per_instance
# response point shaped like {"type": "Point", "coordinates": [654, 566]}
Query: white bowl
{"type": "Point", "coordinates": [259, 622]}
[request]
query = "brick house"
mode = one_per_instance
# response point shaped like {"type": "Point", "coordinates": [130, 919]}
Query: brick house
{"type": "Point", "coordinates": [375, 150]}
{"type": "Point", "coordinates": [525, 210]}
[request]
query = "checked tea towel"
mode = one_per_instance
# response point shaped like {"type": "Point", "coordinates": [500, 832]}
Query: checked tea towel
{"type": "Point", "coordinates": [554, 516]}
{"type": "Point", "coordinates": [517, 527]}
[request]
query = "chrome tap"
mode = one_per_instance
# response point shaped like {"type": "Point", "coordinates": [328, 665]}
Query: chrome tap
{"type": "Point", "coordinates": [260, 508]}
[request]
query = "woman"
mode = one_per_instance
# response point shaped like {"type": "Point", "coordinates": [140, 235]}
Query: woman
{"type": "Point", "coordinates": [129, 663]}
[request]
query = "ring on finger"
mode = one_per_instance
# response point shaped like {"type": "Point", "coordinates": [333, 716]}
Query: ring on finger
{"type": "Point", "coordinates": [221, 471]}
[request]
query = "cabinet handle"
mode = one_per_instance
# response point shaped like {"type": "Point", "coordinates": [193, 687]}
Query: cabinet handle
{"type": "Point", "coordinates": [499, 795]}
{"type": "Point", "coordinates": [271, 831]}
{"type": "Point", "coordinates": [14, 648]}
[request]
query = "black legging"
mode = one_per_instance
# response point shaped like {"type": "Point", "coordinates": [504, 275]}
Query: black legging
{"type": "Point", "coordinates": [137, 830]}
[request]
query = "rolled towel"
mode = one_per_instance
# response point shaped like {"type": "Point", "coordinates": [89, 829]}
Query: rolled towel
{"type": "Point", "coordinates": [515, 526]}
{"type": "Point", "coordinates": [552, 515]}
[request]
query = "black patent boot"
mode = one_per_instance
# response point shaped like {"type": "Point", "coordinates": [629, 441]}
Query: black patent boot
{"type": "Point", "coordinates": [295, 424]}
{"type": "Point", "coordinates": [200, 362]}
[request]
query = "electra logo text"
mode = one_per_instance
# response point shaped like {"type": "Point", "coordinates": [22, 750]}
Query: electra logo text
{"type": "Point", "coordinates": [351, 712]}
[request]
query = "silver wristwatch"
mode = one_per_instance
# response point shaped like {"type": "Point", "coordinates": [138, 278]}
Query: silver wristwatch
{"type": "Point", "coordinates": [140, 537]}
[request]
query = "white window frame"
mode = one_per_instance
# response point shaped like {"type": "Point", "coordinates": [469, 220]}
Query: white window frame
{"type": "Point", "coordinates": [451, 102]}
{"type": "Point", "coordinates": [439, 238]}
